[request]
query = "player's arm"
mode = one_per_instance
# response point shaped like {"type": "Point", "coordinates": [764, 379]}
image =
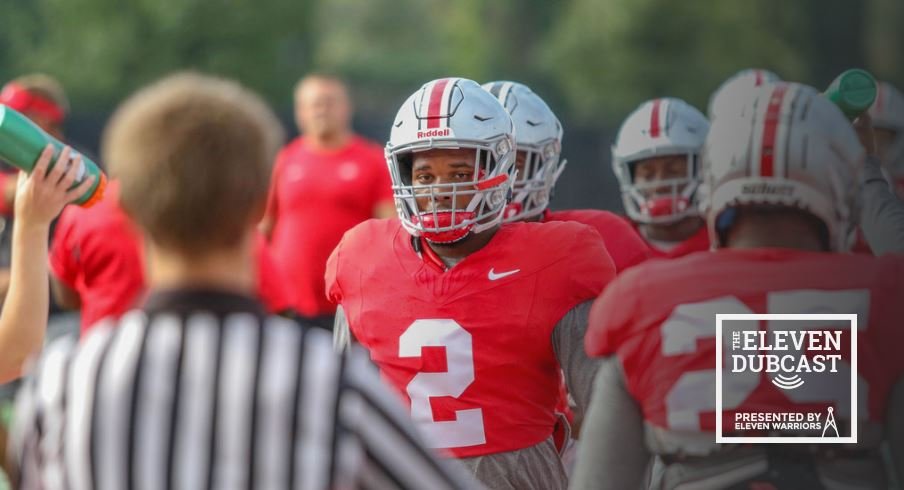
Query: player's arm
{"type": "Point", "coordinates": [394, 455]}
{"type": "Point", "coordinates": [612, 446]}
{"type": "Point", "coordinates": [881, 213]}
{"type": "Point", "coordinates": [568, 344]}
{"type": "Point", "coordinates": [23, 321]}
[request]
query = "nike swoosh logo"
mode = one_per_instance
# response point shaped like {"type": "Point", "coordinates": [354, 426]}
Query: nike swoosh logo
{"type": "Point", "coordinates": [493, 276]}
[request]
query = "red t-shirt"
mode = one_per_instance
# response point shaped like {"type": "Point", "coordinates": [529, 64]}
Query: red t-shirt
{"type": "Point", "coordinates": [315, 197]}
{"type": "Point", "coordinates": [98, 253]}
{"type": "Point", "coordinates": [660, 319]}
{"type": "Point", "coordinates": [469, 348]}
{"type": "Point", "coordinates": [623, 243]}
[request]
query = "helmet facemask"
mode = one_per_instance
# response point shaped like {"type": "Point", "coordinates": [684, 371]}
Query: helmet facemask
{"type": "Point", "coordinates": [535, 181]}
{"type": "Point", "coordinates": [661, 202]}
{"type": "Point", "coordinates": [453, 210]}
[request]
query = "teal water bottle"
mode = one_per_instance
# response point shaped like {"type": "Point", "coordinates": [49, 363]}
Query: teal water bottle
{"type": "Point", "coordinates": [22, 141]}
{"type": "Point", "coordinates": [854, 92]}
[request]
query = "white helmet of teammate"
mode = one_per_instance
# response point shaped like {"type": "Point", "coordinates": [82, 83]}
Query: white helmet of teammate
{"type": "Point", "coordinates": [888, 113]}
{"type": "Point", "coordinates": [789, 147]}
{"type": "Point", "coordinates": [538, 138]}
{"type": "Point", "coordinates": [660, 127]}
{"type": "Point", "coordinates": [452, 113]}
{"type": "Point", "coordinates": [737, 89]}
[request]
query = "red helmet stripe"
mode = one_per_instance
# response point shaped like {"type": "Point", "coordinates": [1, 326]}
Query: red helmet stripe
{"type": "Point", "coordinates": [759, 78]}
{"type": "Point", "coordinates": [493, 182]}
{"type": "Point", "coordinates": [654, 119]}
{"type": "Point", "coordinates": [770, 131]}
{"type": "Point", "coordinates": [436, 103]}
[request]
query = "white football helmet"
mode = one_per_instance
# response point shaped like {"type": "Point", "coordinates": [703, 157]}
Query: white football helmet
{"type": "Point", "coordinates": [538, 134]}
{"type": "Point", "coordinates": [789, 147]}
{"type": "Point", "coordinates": [888, 113]}
{"type": "Point", "coordinates": [737, 89]}
{"type": "Point", "coordinates": [452, 113]}
{"type": "Point", "coordinates": [660, 127]}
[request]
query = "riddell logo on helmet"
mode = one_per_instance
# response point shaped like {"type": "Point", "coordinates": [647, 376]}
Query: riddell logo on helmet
{"type": "Point", "coordinates": [770, 189]}
{"type": "Point", "coordinates": [433, 133]}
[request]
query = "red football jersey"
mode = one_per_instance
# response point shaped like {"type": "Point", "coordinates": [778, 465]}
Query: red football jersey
{"type": "Point", "coordinates": [315, 197]}
{"type": "Point", "coordinates": [624, 244]}
{"type": "Point", "coordinates": [95, 253]}
{"type": "Point", "coordinates": [699, 242]}
{"type": "Point", "coordinates": [98, 253]}
{"type": "Point", "coordinates": [469, 348]}
{"type": "Point", "coordinates": [660, 319]}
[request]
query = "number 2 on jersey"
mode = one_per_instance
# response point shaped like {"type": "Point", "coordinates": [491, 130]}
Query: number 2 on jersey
{"type": "Point", "coordinates": [467, 428]}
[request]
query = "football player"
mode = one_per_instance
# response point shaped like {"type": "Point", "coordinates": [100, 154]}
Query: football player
{"type": "Point", "coordinates": [881, 211]}
{"type": "Point", "coordinates": [471, 321]}
{"type": "Point", "coordinates": [782, 179]}
{"type": "Point", "coordinates": [656, 160]}
{"type": "Point", "coordinates": [734, 92]}
{"type": "Point", "coordinates": [538, 138]}
{"type": "Point", "coordinates": [887, 115]}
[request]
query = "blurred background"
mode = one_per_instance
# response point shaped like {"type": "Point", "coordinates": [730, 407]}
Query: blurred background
{"type": "Point", "coordinates": [593, 60]}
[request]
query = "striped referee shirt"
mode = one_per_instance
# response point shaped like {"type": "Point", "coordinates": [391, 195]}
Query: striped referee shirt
{"type": "Point", "coordinates": [201, 389]}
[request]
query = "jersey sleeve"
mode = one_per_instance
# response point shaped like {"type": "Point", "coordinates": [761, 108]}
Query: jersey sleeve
{"type": "Point", "coordinates": [611, 315]}
{"type": "Point", "coordinates": [63, 251]}
{"type": "Point", "coordinates": [568, 344]}
{"type": "Point", "coordinates": [626, 247]}
{"type": "Point", "coordinates": [612, 445]}
{"type": "Point", "coordinates": [590, 267]}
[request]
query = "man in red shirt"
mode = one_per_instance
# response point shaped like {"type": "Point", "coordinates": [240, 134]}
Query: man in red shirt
{"type": "Point", "coordinates": [97, 263]}
{"type": "Point", "coordinates": [538, 138]}
{"type": "Point", "coordinates": [470, 321]}
{"type": "Point", "coordinates": [782, 178]}
{"type": "Point", "coordinates": [324, 182]}
{"type": "Point", "coordinates": [656, 160]}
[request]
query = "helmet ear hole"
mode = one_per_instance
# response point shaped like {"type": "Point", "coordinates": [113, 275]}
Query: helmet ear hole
{"type": "Point", "coordinates": [406, 166]}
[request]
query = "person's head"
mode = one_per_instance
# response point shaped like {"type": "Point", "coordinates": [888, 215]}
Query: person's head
{"type": "Point", "coordinates": [736, 90]}
{"type": "Point", "coordinates": [887, 115]}
{"type": "Point", "coordinates": [40, 98]}
{"type": "Point", "coordinates": [323, 108]}
{"type": "Point", "coordinates": [656, 160]}
{"type": "Point", "coordinates": [538, 138]}
{"type": "Point", "coordinates": [783, 171]}
{"type": "Point", "coordinates": [192, 154]}
{"type": "Point", "coordinates": [451, 158]}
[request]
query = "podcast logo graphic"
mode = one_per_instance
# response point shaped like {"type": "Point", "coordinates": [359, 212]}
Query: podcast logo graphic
{"type": "Point", "coordinates": [812, 361]}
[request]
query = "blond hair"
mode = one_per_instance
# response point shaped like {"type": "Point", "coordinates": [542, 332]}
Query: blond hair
{"type": "Point", "coordinates": [193, 154]}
